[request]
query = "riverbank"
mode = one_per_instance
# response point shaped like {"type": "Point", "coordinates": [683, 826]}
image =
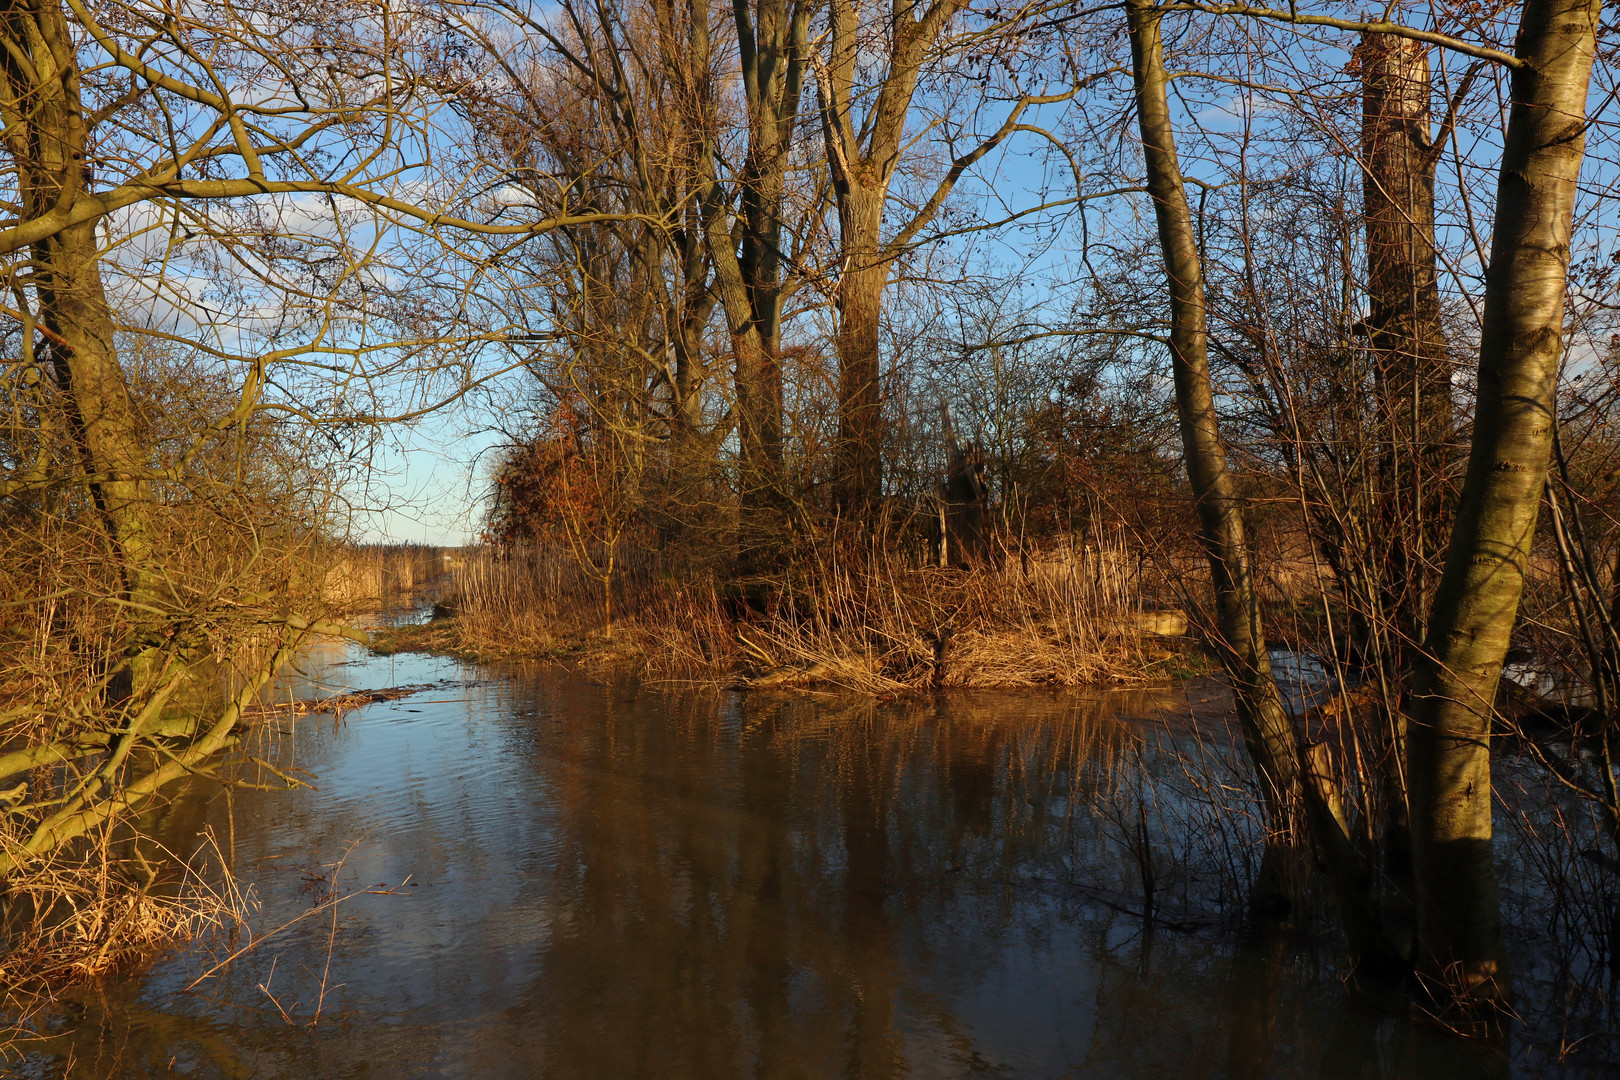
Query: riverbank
{"type": "Point", "coordinates": [878, 627]}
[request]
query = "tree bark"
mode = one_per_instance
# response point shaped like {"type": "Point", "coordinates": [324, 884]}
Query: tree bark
{"type": "Point", "coordinates": [47, 139]}
{"type": "Point", "coordinates": [746, 253]}
{"type": "Point", "coordinates": [1459, 932]}
{"type": "Point", "coordinates": [1412, 373]}
{"type": "Point", "coordinates": [862, 154]}
{"type": "Point", "coordinates": [859, 464]}
{"type": "Point", "coordinates": [1403, 322]}
{"type": "Point", "coordinates": [1241, 641]}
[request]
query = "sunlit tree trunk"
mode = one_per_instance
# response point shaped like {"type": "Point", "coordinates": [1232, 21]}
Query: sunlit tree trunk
{"type": "Point", "coordinates": [863, 152]}
{"type": "Point", "coordinates": [865, 275]}
{"type": "Point", "coordinates": [45, 128]}
{"type": "Point", "coordinates": [772, 39]}
{"type": "Point", "coordinates": [689, 314]}
{"type": "Point", "coordinates": [1478, 597]}
{"type": "Point", "coordinates": [1241, 640]}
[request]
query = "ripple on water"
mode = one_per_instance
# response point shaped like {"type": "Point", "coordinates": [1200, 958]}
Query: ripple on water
{"type": "Point", "coordinates": [585, 882]}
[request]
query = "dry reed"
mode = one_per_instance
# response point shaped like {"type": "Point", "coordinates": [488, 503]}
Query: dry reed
{"type": "Point", "coordinates": [870, 623]}
{"type": "Point", "coordinates": [80, 916]}
{"type": "Point", "coordinates": [368, 576]}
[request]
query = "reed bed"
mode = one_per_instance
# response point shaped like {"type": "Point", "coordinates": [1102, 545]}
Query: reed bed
{"type": "Point", "coordinates": [882, 628]}
{"type": "Point", "coordinates": [868, 622]}
{"type": "Point", "coordinates": [369, 576]}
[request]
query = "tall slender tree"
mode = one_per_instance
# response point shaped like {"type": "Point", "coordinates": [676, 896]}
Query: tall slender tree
{"type": "Point", "coordinates": [745, 230]}
{"type": "Point", "coordinates": [1487, 557]}
{"type": "Point", "coordinates": [865, 92]}
{"type": "Point", "coordinates": [1240, 636]}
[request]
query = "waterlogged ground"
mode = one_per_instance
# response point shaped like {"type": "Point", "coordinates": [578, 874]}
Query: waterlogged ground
{"type": "Point", "coordinates": [547, 878]}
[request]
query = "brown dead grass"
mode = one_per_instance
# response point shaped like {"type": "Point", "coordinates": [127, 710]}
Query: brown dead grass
{"type": "Point", "coordinates": [872, 624]}
{"type": "Point", "coordinates": [78, 918]}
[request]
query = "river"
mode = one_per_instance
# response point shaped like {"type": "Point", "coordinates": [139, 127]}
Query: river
{"type": "Point", "coordinates": [545, 877]}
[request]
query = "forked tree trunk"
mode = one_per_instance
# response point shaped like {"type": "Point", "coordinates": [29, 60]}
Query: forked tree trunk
{"type": "Point", "coordinates": [863, 153]}
{"type": "Point", "coordinates": [1267, 727]}
{"type": "Point", "coordinates": [746, 252]}
{"type": "Point", "coordinates": [771, 36]}
{"type": "Point", "coordinates": [1459, 930]}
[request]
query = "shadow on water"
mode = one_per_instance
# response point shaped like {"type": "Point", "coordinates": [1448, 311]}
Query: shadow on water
{"type": "Point", "coordinates": [571, 880]}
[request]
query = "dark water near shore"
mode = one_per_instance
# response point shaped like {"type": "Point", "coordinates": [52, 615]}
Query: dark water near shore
{"type": "Point", "coordinates": [569, 880]}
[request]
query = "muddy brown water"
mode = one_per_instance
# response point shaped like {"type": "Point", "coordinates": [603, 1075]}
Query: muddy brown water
{"type": "Point", "coordinates": [581, 881]}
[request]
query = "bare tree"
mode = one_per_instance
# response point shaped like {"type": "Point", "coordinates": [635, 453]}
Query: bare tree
{"type": "Point", "coordinates": [875, 63]}
{"type": "Point", "coordinates": [1486, 560]}
{"type": "Point", "coordinates": [1240, 637]}
{"type": "Point", "coordinates": [229, 179]}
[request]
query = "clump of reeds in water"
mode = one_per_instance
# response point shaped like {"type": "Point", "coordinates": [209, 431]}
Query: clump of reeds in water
{"type": "Point", "coordinates": [77, 917]}
{"type": "Point", "coordinates": [869, 621]}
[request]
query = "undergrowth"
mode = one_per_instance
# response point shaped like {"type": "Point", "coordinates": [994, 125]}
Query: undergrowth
{"type": "Point", "coordinates": [871, 623]}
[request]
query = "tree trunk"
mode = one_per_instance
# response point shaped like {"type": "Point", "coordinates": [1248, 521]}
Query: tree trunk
{"type": "Point", "coordinates": [1413, 422]}
{"type": "Point", "coordinates": [860, 308]}
{"type": "Point", "coordinates": [863, 152]}
{"type": "Point", "coordinates": [688, 316]}
{"type": "Point", "coordinates": [771, 36]}
{"type": "Point", "coordinates": [1459, 931]}
{"type": "Point", "coordinates": [747, 255]}
{"type": "Point", "coordinates": [1403, 323]}
{"type": "Point", "coordinates": [45, 130]}
{"type": "Point", "coordinates": [1241, 641]}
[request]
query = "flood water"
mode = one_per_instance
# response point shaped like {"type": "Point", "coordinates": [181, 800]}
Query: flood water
{"type": "Point", "coordinates": [570, 880]}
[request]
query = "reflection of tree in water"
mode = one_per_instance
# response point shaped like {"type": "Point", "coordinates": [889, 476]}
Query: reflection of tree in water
{"type": "Point", "coordinates": [727, 882]}
{"type": "Point", "coordinates": [795, 888]}
{"type": "Point", "coordinates": [761, 889]}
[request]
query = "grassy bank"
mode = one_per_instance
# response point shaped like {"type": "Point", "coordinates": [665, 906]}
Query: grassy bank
{"type": "Point", "coordinates": [870, 623]}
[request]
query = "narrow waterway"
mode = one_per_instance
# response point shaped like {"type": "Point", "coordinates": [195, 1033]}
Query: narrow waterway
{"type": "Point", "coordinates": [546, 877]}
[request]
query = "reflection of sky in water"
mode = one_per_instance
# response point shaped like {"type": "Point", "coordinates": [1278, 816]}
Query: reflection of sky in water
{"type": "Point", "coordinates": [1303, 679]}
{"type": "Point", "coordinates": [609, 885]}
{"type": "Point", "coordinates": [1555, 683]}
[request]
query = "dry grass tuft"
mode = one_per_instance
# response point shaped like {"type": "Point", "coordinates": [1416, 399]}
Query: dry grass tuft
{"type": "Point", "coordinates": [77, 919]}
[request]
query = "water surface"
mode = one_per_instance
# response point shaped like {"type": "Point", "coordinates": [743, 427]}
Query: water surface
{"type": "Point", "coordinates": [571, 880]}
